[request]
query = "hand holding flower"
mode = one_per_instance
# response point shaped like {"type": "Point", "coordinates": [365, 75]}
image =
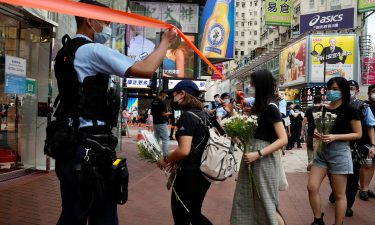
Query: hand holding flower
{"type": "Point", "coordinates": [328, 138]}
{"type": "Point", "coordinates": [250, 157]}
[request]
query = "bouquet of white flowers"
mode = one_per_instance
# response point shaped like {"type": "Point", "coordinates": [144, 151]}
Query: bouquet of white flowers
{"type": "Point", "coordinates": [324, 123]}
{"type": "Point", "coordinates": [242, 128]}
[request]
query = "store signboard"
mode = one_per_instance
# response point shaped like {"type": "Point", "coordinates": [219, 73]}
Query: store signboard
{"type": "Point", "coordinates": [15, 75]}
{"type": "Point", "coordinates": [293, 64]}
{"type": "Point", "coordinates": [200, 83]}
{"type": "Point", "coordinates": [139, 83]}
{"type": "Point", "coordinates": [366, 5]}
{"type": "Point", "coordinates": [214, 74]}
{"type": "Point", "coordinates": [331, 20]}
{"type": "Point", "coordinates": [217, 29]}
{"type": "Point", "coordinates": [340, 56]}
{"type": "Point", "coordinates": [368, 70]}
{"type": "Point", "coordinates": [279, 13]}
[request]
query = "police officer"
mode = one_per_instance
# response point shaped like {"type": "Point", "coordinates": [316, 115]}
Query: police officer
{"type": "Point", "coordinates": [83, 91]}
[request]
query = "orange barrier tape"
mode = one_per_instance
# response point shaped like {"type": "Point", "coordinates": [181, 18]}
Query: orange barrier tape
{"type": "Point", "coordinates": [105, 14]}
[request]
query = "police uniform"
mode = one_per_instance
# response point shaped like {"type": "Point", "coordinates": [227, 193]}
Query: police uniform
{"type": "Point", "coordinates": [93, 63]}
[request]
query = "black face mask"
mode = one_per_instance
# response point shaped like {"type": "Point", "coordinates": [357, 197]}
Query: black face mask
{"type": "Point", "coordinates": [175, 106]}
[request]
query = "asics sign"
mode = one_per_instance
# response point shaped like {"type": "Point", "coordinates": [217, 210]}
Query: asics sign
{"type": "Point", "coordinates": [338, 19]}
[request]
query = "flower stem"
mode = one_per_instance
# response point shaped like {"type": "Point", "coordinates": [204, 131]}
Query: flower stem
{"type": "Point", "coordinates": [179, 199]}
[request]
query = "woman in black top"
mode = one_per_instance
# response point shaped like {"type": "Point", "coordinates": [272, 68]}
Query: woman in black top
{"type": "Point", "coordinates": [270, 136]}
{"type": "Point", "coordinates": [192, 136]}
{"type": "Point", "coordinates": [335, 157]}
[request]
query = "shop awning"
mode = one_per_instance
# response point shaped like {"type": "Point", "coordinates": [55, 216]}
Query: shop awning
{"type": "Point", "coordinates": [41, 15]}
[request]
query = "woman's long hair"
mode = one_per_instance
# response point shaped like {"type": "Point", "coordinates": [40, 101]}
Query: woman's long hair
{"type": "Point", "coordinates": [265, 86]}
{"type": "Point", "coordinates": [343, 86]}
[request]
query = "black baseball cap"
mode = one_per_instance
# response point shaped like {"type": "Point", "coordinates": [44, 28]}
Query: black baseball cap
{"type": "Point", "coordinates": [353, 83]}
{"type": "Point", "coordinates": [92, 2]}
{"type": "Point", "coordinates": [187, 86]}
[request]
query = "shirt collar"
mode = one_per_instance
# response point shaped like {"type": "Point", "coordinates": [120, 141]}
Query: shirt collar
{"type": "Point", "coordinates": [82, 36]}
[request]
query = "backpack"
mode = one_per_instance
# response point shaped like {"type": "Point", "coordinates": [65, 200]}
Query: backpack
{"type": "Point", "coordinates": [218, 161]}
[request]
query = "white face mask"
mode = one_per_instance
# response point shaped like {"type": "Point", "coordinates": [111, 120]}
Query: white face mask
{"type": "Point", "coordinates": [227, 101]}
{"type": "Point", "coordinates": [352, 94]}
{"type": "Point", "coordinates": [373, 97]}
{"type": "Point", "coordinates": [104, 36]}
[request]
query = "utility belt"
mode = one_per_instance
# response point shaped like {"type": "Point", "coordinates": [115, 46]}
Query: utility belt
{"type": "Point", "coordinates": [360, 152]}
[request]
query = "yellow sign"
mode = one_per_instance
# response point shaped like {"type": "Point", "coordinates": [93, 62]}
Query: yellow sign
{"type": "Point", "coordinates": [336, 51]}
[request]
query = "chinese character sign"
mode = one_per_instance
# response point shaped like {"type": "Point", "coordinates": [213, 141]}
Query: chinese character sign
{"type": "Point", "coordinates": [366, 5]}
{"type": "Point", "coordinates": [368, 70]}
{"type": "Point", "coordinates": [217, 29]}
{"type": "Point", "coordinates": [337, 51]}
{"type": "Point", "coordinates": [293, 64]}
{"type": "Point", "coordinates": [278, 12]}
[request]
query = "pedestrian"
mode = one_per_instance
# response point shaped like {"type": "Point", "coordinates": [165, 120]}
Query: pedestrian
{"type": "Point", "coordinates": [150, 121]}
{"type": "Point", "coordinates": [335, 156]}
{"type": "Point", "coordinates": [125, 121]}
{"type": "Point", "coordinates": [249, 208]}
{"type": "Point", "coordinates": [225, 110]}
{"type": "Point", "coordinates": [160, 116]}
{"type": "Point", "coordinates": [82, 68]}
{"type": "Point", "coordinates": [367, 171]}
{"type": "Point", "coordinates": [192, 136]}
{"type": "Point", "coordinates": [309, 120]}
{"type": "Point", "coordinates": [295, 126]}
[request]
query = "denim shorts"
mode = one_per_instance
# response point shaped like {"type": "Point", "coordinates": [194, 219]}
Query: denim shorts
{"type": "Point", "coordinates": [336, 157]}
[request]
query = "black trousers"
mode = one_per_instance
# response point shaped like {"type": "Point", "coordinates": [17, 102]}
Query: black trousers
{"type": "Point", "coordinates": [191, 187]}
{"type": "Point", "coordinates": [80, 205]}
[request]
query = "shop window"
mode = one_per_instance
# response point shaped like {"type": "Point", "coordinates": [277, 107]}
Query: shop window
{"type": "Point", "coordinates": [242, 53]}
{"type": "Point", "coordinates": [242, 33]}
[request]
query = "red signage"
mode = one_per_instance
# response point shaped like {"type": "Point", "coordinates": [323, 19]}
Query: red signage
{"type": "Point", "coordinates": [368, 70]}
{"type": "Point", "coordinates": [216, 76]}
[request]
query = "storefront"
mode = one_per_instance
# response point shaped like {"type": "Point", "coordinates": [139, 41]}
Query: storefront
{"type": "Point", "coordinates": [25, 65]}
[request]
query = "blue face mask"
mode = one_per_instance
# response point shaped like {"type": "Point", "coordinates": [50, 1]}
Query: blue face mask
{"type": "Point", "coordinates": [104, 36]}
{"type": "Point", "coordinates": [333, 95]}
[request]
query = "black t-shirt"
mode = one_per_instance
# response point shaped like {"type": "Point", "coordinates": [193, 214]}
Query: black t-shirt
{"type": "Point", "coordinates": [157, 109]}
{"type": "Point", "coordinates": [310, 118]}
{"type": "Point", "coordinates": [345, 113]}
{"type": "Point", "coordinates": [265, 130]}
{"type": "Point", "coordinates": [189, 125]}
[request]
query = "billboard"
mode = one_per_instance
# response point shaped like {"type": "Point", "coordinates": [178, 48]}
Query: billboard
{"type": "Point", "coordinates": [331, 20]}
{"type": "Point", "coordinates": [214, 74]}
{"type": "Point", "coordinates": [279, 13]}
{"type": "Point", "coordinates": [293, 64]}
{"type": "Point", "coordinates": [339, 52]}
{"type": "Point", "coordinates": [366, 5]}
{"type": "Point", "coordinates": [217, 29]}
{"type": "Point", "coordinates": [180, 61]}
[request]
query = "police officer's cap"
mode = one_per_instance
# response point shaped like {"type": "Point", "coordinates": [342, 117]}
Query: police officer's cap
{"type": "Point", "coordinates": [92, 2]}
{"type": "Point", "coordinates": [353, 83]}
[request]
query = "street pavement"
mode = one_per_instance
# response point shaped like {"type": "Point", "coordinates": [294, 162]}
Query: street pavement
{"type": "Point", "coordinates": [34, 199]}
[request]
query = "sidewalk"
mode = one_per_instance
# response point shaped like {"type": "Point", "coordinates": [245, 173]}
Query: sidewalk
{"type": "Point", "coordinates": [35, 199]}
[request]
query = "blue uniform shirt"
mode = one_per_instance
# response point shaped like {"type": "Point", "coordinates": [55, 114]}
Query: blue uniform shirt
{"type": "Point", "coordinates": [94, 58]}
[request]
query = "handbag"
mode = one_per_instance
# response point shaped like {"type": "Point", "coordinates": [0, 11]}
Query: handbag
{"type": "Point", "coordinates": [283, 182]}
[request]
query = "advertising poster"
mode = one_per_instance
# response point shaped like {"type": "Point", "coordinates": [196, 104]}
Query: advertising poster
{"type": "Point", "coordinates": [339, 54]}
{"type": "Point", "coordinates": [331, 20]}
{"type": "Point", "coordinates": [132, 105]}
{"type": "Point", "coordinates": [293, 64]}
{"type": "Point", "coordinates": [214, 74]}
{"type": "Point", "coordinates": [366, 5]}
{"type": "Point", "coordinates": [279, 13]}
{"type": "Point", "coordinates": [368, 70]}
{"type": "Point", "coordinates": [217, 29]}
{"type": "Point", "coordinates": [15, 75]}
{"type": "Point", "coordinates": [307, 94]}
{"type": "Point", "coordinates": [180, 60]}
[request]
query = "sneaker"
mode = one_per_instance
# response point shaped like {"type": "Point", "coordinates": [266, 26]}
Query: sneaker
{"type": "Point", "coordinates": [318, 221]}
{"type": "Point", "coordinates": [363, 195]}
{"type": "Point", "coordinates": [349, 212]}
{"type": "Point", "coordinates": [371, 194]}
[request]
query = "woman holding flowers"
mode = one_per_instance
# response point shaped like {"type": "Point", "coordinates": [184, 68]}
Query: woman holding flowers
{"type": "Point", "coordinates": [255, 203]}
{"type": "Point", "coordinates": [334, 156]}
{"type": "Point", "coordinates": [190, 187]}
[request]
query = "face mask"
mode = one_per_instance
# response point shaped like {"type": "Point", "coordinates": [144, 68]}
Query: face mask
{"type": "Point", "coordinates": [104, 36]}
{"type": "Point", "coordinates": [175, 105]}
{"type": "Point", "coordinates": [333, 95]}
{"type": "Point", "coordinates": [352, 94]}
{"type": "Point", "coordinates": [373, 97]}
{"type": "Point", "coordinates": [227, 101]}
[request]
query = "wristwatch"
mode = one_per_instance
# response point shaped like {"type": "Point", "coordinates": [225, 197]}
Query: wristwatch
{"type": "Point", "coordinates": [260, 154]}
